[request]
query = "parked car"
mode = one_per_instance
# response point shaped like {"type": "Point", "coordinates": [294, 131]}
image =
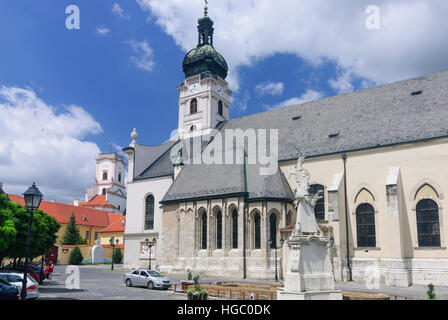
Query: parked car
{"type": "Point", "coordinates": [8, 291]}
{"type": "Point", "coordinates": [35, 272]}
{"type": "Point", "coordinates": [146, 278]}
{"type": "Point", "coordinates": [15, 279]}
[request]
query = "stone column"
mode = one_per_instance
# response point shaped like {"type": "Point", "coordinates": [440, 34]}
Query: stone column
{"type": "Point", "coordinates": [336, 210]}
{"type": "Point", "coordinates": [397, 272]}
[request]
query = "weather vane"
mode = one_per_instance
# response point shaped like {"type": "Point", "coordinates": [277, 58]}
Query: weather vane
{"type": "Point", "coordinates": [206, 8]}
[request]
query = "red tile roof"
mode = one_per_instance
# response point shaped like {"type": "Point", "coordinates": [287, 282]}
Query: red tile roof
{"type": "Point", "coordinates": [117, 223]}
{"type": "Point", "coordinates": [98, 201]}
{"type": "Point", "coordinates": [62, 212]}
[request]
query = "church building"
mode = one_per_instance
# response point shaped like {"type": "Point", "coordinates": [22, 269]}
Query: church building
{"type": "Point", "coordinates": [109, 190]}
{"type": "Point", "coordinates": [378, 157]}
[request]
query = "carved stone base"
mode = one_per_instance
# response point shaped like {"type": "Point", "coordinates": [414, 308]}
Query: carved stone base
{"type": "Point", "coordinates": [310, 295]}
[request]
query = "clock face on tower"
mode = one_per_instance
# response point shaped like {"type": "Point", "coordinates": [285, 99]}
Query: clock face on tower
{"type": "Point", "coordinates": [193, 87]}
{"type": "Point", "coordinates": [220, 90]}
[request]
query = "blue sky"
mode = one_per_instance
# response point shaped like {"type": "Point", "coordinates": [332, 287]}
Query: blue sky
{"type": "Point", "coordinates": [294, 60]}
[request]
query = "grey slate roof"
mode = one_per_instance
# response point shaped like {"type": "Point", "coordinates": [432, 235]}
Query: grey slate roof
{"type": "Point", "coordinates": [147, 157]}
{"type": "Point", "coordinates": [385, 115]}
{"type": "Point", "coordinates": [379, 116]}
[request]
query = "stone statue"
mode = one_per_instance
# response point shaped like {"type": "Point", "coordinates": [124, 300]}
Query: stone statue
{"type": "Point", "coordinates": [309, 274]}
{"type": "Point", "coordinates": [97, 253]}
{"type": "Point", "coordinates": [302, 179]}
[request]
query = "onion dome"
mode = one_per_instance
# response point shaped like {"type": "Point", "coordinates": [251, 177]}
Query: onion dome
{"type": "Point", "coordinates": [204, 59]}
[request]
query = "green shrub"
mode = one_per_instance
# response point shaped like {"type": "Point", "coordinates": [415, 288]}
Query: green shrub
{"type": "Point", "coordinates": [197, 293]}
{"type": "Point", "coordinates": [118, 256]}
{"type": "Point", "coordinates": [430, 294]}
{"type": "Point", "coordinates": [76, 256]}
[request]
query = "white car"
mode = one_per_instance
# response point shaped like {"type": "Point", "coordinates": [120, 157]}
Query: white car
{"type": "Point", "coordinates": [15, 279]}
{"type": "Point", "coordinates": [146, 278]}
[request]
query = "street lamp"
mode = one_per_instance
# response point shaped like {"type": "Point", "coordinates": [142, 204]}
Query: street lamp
{"type": "Point", "coordinates": [281, 245]}
{"type": "Point", "coordinates": [112, 242]}
{"type": "Point", "coordinates": [271, 244]}
{"type": "Point", "coordinates": [33, 197]}
{"type": "Point", "coordinates": [150, 244]}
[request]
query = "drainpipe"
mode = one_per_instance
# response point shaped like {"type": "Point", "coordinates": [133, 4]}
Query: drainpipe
{"type": "Point", "coordinates": [245, 209]}
{"type": "Point", "coordinates": [344, 158]}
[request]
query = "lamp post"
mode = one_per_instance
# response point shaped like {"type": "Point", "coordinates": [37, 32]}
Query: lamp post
{"type": "Point", "coordinates": [33, 197]}
{"type": "Point", "coordinates": [281, 265]}
{"type": "Point", "coordinates": [150, 244]}
{"type": "Point", "coordinates": [271, 244]}
{"type": "Point", "coordinates": [112, 242]}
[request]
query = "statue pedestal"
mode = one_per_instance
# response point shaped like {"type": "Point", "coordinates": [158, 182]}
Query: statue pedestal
{"type": "Point", "coordinates": [309, 275]}
{"type": "Point", "coordinates": [310, 295]}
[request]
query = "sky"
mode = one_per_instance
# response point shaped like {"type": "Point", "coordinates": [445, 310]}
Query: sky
{"type": "Point", "coordinates": [68, 94]}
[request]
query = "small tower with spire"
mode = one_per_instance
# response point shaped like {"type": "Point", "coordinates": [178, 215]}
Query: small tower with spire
{"type": "Point", "coordinates": [204, 95]}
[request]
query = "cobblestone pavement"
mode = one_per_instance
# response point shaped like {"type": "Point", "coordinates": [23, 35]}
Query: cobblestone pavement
{"type": "Point", "coordinates": [100, 283]}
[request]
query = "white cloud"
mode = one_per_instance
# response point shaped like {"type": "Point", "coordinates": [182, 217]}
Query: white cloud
{"type": "Point", "coordinates": [102, 31]}
{"type": "Point", "coordinates": [39, 143]}
{"type": "Point", "coordinates": [343, 82]}
{"type": "Point", "coordinates": [118, 11]}
{"type": "Point", "coordinates": [309, 95]}
{"type": "Point", "coordinates": [144, 58]}
{"type": "Point", "coordinates": [242, 104]}
{"type": "Point", "coordinates": [270, 88]}
{"type": "Point", "coordinates": [411, 41]}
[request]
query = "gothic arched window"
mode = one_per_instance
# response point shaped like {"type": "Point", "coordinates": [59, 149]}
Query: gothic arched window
{"type": "Point", "coordinates": [319, 209]}
{"type": "Point", "coordinates": [273, 230]}
{"type": "Point", "coordinates": [194, 106]}
{"type": "Point", "coordinates": [105, 175]}
{"type": "Point", "coordinates": [204, 231]}
{"type": "Point", "coordinates": [257, 231]}
{"type": "Point", "coordinates": [220, 111]}
{"type": "Point", "coordinates": [219, 230]}
{"type": "Point", "coordinates": [365, 226]}
{"type": "Point", "coordinates": [235, 229]}
{"type": "Point", "coordinates": [104, 192]}
{"type": "Point", "coordinates": [428, 227]}
{"type": "Point", "coordinates": [119, 177]}
{"type": "Point", "coordinates": [149, 213]}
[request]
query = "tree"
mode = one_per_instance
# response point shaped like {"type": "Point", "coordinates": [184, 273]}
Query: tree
{"type": "Point", "coordinates": [43, 231]}
{"type": "Point", "coordinates": [7, 224]}
{"type": "Point", "coordinates": [118, 256]}
{"type": "Point", "coordinates": [71, 235]}
{"type": "Point", "coordinates": [76, 256]}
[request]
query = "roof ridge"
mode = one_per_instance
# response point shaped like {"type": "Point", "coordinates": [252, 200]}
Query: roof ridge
{"type": "Point", "coordinates": [341, 95]}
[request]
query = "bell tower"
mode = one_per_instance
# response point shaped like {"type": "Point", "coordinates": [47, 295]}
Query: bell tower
{"type": "Point", "coordinates": [204, 94]}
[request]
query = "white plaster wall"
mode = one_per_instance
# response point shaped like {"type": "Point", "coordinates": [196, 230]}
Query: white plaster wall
{"type": "Point", "coordinates": [137, 192]}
